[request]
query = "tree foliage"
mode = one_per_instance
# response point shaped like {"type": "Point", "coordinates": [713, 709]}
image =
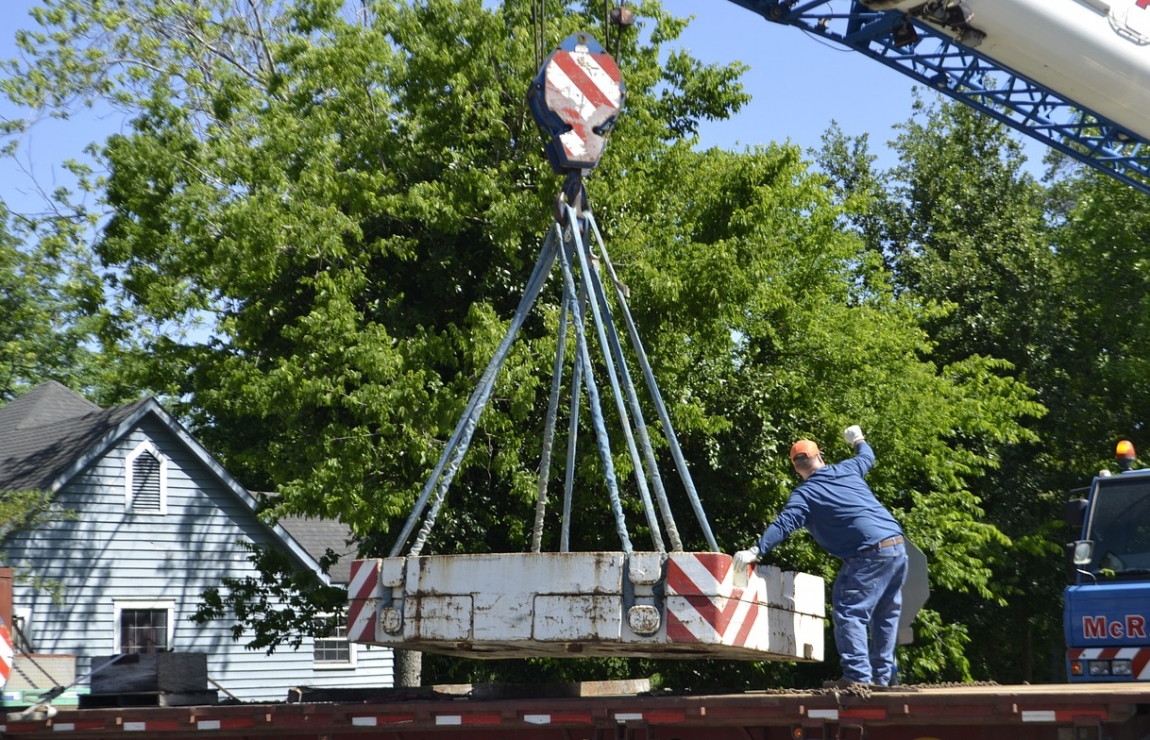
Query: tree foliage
{"type": "Point", "coordinates": [1102, 359]}
{"type": "Point", "coordinates": [47, 295]}
{"type": "Point", "coordinates": [282, 605]}
{"type": "Point", "coordinates": [1024, 273]}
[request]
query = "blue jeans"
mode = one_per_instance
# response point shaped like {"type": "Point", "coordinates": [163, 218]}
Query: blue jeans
{"type": "Point", "coordinates": [868, 594]}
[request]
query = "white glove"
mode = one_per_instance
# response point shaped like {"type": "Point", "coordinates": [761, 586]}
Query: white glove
{"type": "Point", "coordinates": [853, 435]}
{"type": "Point", "coordinates": [743, 558]}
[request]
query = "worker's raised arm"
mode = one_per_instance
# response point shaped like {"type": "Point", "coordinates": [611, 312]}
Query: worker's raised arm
{"type": "Point", "coordinates": [864, 455]}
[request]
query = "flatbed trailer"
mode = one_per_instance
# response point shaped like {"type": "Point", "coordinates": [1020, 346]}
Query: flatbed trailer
{"type": "Point", "coordinates": [952, 712]}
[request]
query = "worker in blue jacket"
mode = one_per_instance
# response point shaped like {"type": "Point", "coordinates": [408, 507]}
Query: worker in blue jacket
{"type": "Point", "coordinates": [837, 507]}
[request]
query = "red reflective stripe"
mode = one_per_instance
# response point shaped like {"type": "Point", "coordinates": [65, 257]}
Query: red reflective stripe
{"type": "Point", "coordinates": [716, 562]}
{"type": "Point", "coordinates": [565, 61]}
{"type": "Point", "coordinates": [677, 631]}
{"type": "Point", "coordinates": [1142, 657]}
{"type": "Point", "coordinates": [866, 712]}
{"type": "Point", "coordinates": [719, 619]}
{"type": "Point", "coordinates": [369, 583]}
{"type": "Point", "coordinates": [488, 718]}
{"type": "Point", "coordinates": [7, 653]}
{"type": "Point", "coordinates": [680, 582]}
{"type": "Point", "coordinates": [665, 716]}
{"type": "Point", "coordinates": [382, 719]}
{"type": "Point", "coordinates": [748, 624]}
{"type": "Point", "coordinates": [230, 723]}
{"type": "Point", "coordinates": [365, 590]}
{"type": "Point", "coordinates": [1072, 714]}
{"type": "Point", "coordinates": [478, 718]}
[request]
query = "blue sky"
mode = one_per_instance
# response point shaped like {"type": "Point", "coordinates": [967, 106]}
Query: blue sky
{"type": "Point", "coordinates": [799, 86]}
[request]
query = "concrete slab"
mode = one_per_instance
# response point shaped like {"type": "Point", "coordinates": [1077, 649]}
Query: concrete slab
{"type": "Point", "coordinates": [644, 604]}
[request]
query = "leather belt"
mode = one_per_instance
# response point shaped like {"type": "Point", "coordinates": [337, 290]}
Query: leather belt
{"type": "Point", "coordinates": [888, 542]}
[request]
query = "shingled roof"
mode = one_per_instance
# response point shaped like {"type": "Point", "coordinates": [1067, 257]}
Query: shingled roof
{"type": "Point", "coordinates": [317, 535]}
{"type": "Point", "coordinates": [50, 433]}
{"type": "Point", "coordinates": [43, 432]}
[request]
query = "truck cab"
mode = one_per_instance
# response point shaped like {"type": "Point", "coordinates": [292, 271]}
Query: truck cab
{"type": "Point", "coordinates": [1106, 617]}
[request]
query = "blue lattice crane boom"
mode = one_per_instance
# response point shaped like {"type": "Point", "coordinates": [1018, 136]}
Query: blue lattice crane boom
{"type": "Point", "coordinates": [1073, 74]}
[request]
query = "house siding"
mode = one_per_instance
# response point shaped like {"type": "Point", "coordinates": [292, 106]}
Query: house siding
{"type": "Point", "coordinates": [109, 553]}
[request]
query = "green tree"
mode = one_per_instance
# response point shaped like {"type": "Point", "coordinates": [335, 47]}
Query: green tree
{"type": "Point", "coordinates": [1101, 238]}
{"type": "Point", "coordinates": [47, 294]}
{"type": "Point", "coordinates": [961, 226]}
{"type": "Point", "coordinates": [959, 223]}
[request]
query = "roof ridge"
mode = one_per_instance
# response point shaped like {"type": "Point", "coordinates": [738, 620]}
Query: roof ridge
{"type": "Point", "coordinates": [45, 404]}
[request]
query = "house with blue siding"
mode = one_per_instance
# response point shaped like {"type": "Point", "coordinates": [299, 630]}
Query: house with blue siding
{"type": "Point", "coordinates": [153, 520]}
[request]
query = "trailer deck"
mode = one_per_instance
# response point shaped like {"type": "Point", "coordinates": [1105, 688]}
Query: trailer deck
{"type": "Point", "coordinates": [953, 712]}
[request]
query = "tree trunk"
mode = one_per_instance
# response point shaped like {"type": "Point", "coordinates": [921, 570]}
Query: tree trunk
{"type": "Point", "coordinates": [408, 668]}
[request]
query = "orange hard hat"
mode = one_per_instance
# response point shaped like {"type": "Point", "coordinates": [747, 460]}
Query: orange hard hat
{"type": "Point", "coordinates": [804, 447]}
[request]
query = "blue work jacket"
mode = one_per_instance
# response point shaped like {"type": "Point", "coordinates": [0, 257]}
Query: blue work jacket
{"type": "Point", "coordinates": [837, 507]}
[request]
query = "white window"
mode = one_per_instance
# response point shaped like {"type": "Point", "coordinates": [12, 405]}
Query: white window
{"type": "Point", "coordinates": [142, 626]}
{"type": "Point", "coordinates": [334, 651]}
{"type": "Point", "coordinates": [146, 480]}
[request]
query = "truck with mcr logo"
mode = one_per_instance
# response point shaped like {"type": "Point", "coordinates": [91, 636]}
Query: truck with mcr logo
{"type": "Point", "coordinates": [1107, 606]}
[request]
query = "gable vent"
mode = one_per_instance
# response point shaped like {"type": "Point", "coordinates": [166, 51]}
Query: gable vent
{"type": "Point", "coordinates": [145, 479]}
{"type": "Point", "coordinates": [146, 483]}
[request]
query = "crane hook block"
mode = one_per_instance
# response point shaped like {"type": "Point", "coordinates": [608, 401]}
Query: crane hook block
{"type": "Point", "coordinates": [575, 99]}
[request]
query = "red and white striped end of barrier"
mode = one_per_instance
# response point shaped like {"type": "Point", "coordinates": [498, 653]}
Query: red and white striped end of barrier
{"type": "Point", "coordinates": [7, 653]}
{"type": "Point", "coordinates": [364, 592]}
{"type": "Point", "coordinates": [711, 609]}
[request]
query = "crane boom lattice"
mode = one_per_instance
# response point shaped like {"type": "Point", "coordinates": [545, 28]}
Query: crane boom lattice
{"type": "Point", "coordinates": [942, 49]}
